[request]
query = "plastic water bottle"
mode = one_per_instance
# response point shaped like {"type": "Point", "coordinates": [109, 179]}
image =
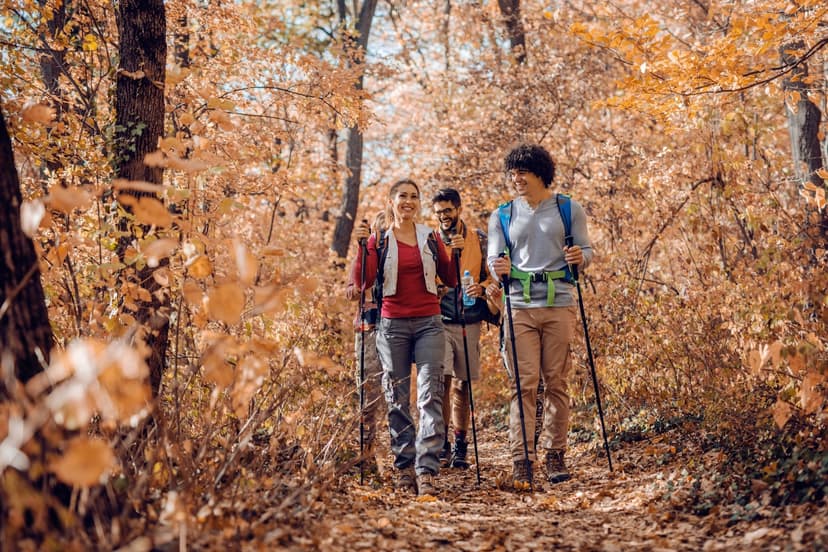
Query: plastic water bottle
{"type": "Point", "coordinates": [467, 280]}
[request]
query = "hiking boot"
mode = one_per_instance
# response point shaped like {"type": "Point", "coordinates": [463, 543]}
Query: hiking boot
{"type": "Point", "coordinates": [426, 484]}
{"type": "Point", "coordinates": [445, 453]}
{"type": "Point", "coordinates": [458, 455]}
{"type": "Point", "coordinates": [405, 480]}
{"type": "Point", "coordinates": [522, 475]}
{"type": "Point", "coordinates": [556, 471]}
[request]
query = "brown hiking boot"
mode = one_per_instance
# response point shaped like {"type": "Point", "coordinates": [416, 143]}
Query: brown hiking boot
{"type": "Point", "coordinates": [405, 480]}
{"type": "Point", "coordinates": [522, 475]}
{"type": "Point", "coordinates": [426, 484]}
{"type": "Point", "coordinates": [556, 471]}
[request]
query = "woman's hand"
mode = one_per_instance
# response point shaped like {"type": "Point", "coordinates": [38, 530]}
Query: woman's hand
{"type": "Point", "coordinates": [362, 231]}
{"type": "Point", "coordinates": [494, 292]}
{"type": "Point", "coordinates": [351, 292]}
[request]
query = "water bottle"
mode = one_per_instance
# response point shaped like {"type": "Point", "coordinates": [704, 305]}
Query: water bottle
{"type": "Point", "coordinates": [467, 280]}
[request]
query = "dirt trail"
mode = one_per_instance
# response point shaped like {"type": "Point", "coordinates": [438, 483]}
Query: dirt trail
{"type": "Point", "coordinates": [596, 510]}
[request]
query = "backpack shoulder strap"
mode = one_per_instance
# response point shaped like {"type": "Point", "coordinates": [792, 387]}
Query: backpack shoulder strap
{"type": "Point", "coordinates": [565, 210]}
{"type": "Point", "coordinates": [382, 253]}
{"type": "Point", "coordinates": [432, 245]}
{"type": "Point", "coordinates": [484, 252]}
{"type": "Point", "coordinates": [504, 213]}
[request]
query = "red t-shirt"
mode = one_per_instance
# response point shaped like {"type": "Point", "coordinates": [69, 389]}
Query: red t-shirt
{"type": "Point", "coordinates": [412, 298]}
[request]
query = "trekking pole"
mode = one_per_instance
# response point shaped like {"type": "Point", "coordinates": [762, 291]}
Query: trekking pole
{"type": "Point", "coordinates": [574, 270]}
{"type": "Point", "coordinates": [457, 295]}
{"type": "Point", "coordinates": [363, 252]}
{"type": "Point", "coordinates": [505, 284]}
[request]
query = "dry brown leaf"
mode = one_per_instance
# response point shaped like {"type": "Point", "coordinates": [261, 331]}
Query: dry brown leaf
{"type": "Point", "coordinates": [781, 413]}
{"type": "Point", "coordinates": [309, 358]}
{"type": "Point", "coordinates": [67, 200]}
{"type": "Point", "coordinates": [120, 184]}
{"type": "Point", "coordinates": [155, 159]}
{"type": "Point", "coordinates": [269, 299]}
{"type": "Point", "coordinates": [187, 165]}
{"type": "Point", "coordinates": [149, 210]}
{"type": "Point", "coordinates": [216, 368]}
{"type": "Point", "coordinates": [226, 303]}
{"type": "Point", "coordinates": [192, 292]}
{"type": "Point", "coordinates": [159, 249]}
{"type": "Point", "coordinates": [246, 263]}
{"type": "Point", "coordinates": [85, 462]}
{"type": "Point", "coordinates": [200, 267]}
{"type": "Point", "coordinates": [797, 363]}
{"type": "Point", "coordinates": [811, 398]}
{"type": "Point", "coordinates": [38, 113]}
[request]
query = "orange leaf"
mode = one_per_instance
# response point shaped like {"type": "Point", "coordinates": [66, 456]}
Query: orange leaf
{"type": "Point", "coordinates": [192, 293]}
{"type": "Point", "coordinates": [151, 211]}
{"type": "Point", "coordinates": [200, 267]}
{"type": "Point", "coordinates": [781, 413]}
{"type": "Point", "coordinates": [810, 397]}
{"type": "Point", "coordinates": [38, 113]}
{"type": "Point", "coordinates": [159, 249]}
{"type": "Point", "coordinates": [85, 462]}
{"type": "Point", "coordinates": [246, 262]}
{"type": "Point", "coordinates": [68, 199]}
{"type": "Point", "coordinates": [226, 303]}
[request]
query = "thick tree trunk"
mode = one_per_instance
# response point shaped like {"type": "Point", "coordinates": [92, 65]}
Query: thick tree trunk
{"type": "Point", "coordinates": [25, 333]}
{"type": "Point", "coordinates": [803, 125]}
{"type": "Point", "coordinates": [353, 154]}
{"type": "Point", "coordinates": [514, 28]}
{"type": "Point", "coordinates": [139, 108]}
{"type": "Point", "coordinates": [139, 91]}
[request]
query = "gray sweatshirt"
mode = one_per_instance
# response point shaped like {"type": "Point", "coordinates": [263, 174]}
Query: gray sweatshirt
{"type": "Point", "coordinates": [537, 237]}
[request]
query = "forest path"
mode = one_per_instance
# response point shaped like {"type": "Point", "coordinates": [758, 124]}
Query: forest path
{"type": "Point", "coordinates": [595, 510]}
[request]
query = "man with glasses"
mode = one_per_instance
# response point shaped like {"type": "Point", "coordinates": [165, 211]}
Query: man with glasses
{"type": "Point", "coordinates": [447, 208]}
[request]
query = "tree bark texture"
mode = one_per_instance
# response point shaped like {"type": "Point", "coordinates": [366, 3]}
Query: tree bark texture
{"type": "Point", "coordinates": [139, 107]}
{"type": "Point", "coordinates": [514, 28]}
{"type": "Point", "coordinates": [139, 91]}
{"type": "Point", "coordinates": [803, 124]}
{"type": "Point", "coordinates": [25, 333]}
{"type": "Point", "coordinates": [353, 153]}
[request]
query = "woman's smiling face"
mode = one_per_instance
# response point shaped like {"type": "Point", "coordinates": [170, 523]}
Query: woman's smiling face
{"type": "Point", "coordinates": [406, 202]}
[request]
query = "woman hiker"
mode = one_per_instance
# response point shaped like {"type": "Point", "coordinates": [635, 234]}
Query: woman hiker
{"type": "Point", "coordinates": [406, 261]}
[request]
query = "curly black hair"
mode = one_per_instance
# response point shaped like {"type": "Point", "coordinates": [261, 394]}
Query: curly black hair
{"type": "Point", "coordinates": [532, 158]}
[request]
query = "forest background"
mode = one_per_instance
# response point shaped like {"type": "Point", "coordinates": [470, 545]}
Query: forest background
{"type": "Point", "coordinates": [185, 176]}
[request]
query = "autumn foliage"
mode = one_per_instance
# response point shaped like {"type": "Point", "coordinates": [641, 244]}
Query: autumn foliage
{"type": "Point", "coordinates": [670, 123]}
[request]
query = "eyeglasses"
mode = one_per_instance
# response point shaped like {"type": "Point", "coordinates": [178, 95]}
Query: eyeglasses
{"type": "Point", "coordinates": [446, 211]}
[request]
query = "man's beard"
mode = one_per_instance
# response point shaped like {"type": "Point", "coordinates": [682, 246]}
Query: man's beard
{"type": "Point", "coordinates": [452, 227]}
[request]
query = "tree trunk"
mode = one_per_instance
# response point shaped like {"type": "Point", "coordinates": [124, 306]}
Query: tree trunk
{"type": "Point", "coordinates": [139, 108]}
{"type": "Point", "coordinates": [25, 333]}
{"type": "Point", "coordinates": [517, 36]}
{"type": "Point", "coordinates": [353, 153]}
{"type": "Point", "coordinates": [803, 125]}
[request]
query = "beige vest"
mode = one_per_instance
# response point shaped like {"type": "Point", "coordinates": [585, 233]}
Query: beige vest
{"type": "Point", "coordinates": [389, 284]}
